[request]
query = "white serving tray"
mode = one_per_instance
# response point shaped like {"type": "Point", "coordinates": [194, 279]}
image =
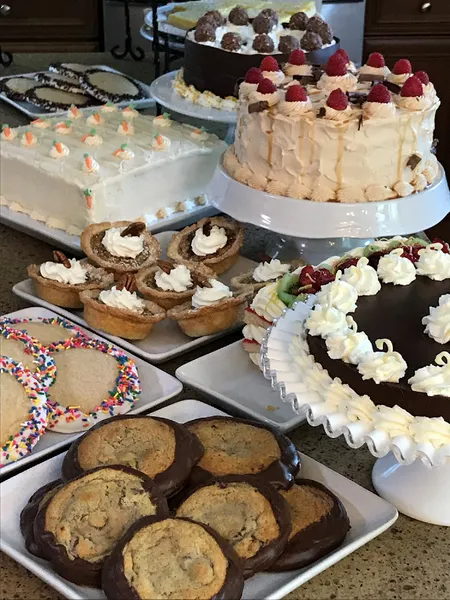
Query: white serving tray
{"type": "Point", "coordinates": [369, 517]}
{"type": "Point", "coordinates": [35, 112]}
{"type": "Point", "coordinates": [157, 387]}
{"type": "Point", "coordinates": [166, 340]}
{"type": "Point", "coordinates": [229, 376]}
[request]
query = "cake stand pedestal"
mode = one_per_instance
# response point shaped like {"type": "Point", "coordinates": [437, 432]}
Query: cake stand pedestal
{"type": "Point", "coordinates": [318, 230]}
{"type": "Point", "coordinates": [415, 490]}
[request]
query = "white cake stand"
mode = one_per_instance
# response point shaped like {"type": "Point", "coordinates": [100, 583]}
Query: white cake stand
{"type": "Point", "coordinates": [414, 477]}
{"type": "Point", "coordinates": [318, 230]}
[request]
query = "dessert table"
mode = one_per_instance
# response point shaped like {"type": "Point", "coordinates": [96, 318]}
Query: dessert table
{"type": "Point", "coordinates": [410, 560]}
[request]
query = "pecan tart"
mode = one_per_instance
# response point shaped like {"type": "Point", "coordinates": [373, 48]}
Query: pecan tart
{"type": "Point", "coordinates": [60, 282]}
{"type": "Point", "coordinates": [212, 309]}
{"type": "Point", "coordinates": [120, 311]}
{"type": "Point", "coordinates": [215, 242]}
{"type": "Point", "coordinates": [264, 273]}
{"type": "Point", "coordinates": [169, 284]}
{"type": "Point", "coordinates": [123, 246]}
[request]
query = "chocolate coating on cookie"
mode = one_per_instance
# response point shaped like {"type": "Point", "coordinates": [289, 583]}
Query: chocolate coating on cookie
{"type": "Point", "coordinates": [263, 43]}
{"type": "Point", "coordinates": [278, 466]}
{"type": "Point", "coordinates": [117, 586]}
{"type": "Point", "coordinates": [288, 43]}
{"type": "Point", "coordinates": [298, 21]}
{"type": "Point", "coordinates": [311, 41]}
{"type": "Point", "coordinates": [234, 500]}
{"type": "Point", "coordinates": [188, 451]}
{"type": "Point", "coordinates": [29, 512]}
{"type": "Point", "coordinates": [238, 16]}
{"type": "Point", "coordinates": [321, 536]}
{"type": "Point", "coordinates": [231, 41]}
{"type": "Point", "coordinates": [87, 533]}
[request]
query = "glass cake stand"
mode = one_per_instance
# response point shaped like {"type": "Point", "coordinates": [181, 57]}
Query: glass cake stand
{"type": "Point", "coordinates": [315, 230]}
{"type": "Point", "coordinates": [414, 477]}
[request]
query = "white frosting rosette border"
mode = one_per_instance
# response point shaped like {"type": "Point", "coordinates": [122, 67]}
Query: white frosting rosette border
{"type": "Point", "coordinates": [282, 352]}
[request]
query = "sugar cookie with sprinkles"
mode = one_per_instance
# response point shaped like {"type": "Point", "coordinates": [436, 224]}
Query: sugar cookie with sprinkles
{"type": "Point", "coordinates": [21, 347]}
{"type": "Point", "coordinates": [23, 411]}
{"type": "Point", "coordinates": [50, 332]}
{"type": "Point", "coordinates": [94, 381]}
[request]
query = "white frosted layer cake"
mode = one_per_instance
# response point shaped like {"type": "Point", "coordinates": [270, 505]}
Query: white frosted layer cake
{"type": "Point", "coordinates": [163, 167]}
{"type": "Point", "coordinates": [335, 137]}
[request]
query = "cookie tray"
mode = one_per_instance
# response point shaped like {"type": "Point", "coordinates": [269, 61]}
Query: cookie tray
{"type": "Point", "coordinates": [369, 517]}
{"type": "Point", "coordinates": [157, 387]}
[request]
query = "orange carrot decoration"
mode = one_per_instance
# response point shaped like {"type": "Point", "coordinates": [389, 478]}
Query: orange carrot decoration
{"type": "Point", "coordinates": [36, 121]}
{"type": "Point", "coordinates": [88, 161]}
{"type": "Point", "coordinates": [6, 130]}
{"type": "Point", "coordinates": [29, 137]}
{"type": "Point", "coordinates": [88, 197]}
{"type": "Point", "coordinates": [159, 139]}
{"type": "Point", "coordinates": [58, 147]}
{"type": "Point", "coordinates": [124, 125]}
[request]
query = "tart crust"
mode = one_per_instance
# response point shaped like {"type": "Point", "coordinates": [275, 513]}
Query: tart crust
{"type": "Point", "coordinates": [65, 294]}
{"type": "Point", "coordinates": [91, 241]}
{"type": "Point", "coordinates": [120, 321]}
{"type": "Point", "coordinates": [145, 283]}
{"type": "Point", "coordinates": [207, 320]}
{"type": "Point", "coordinates": [180, 246]}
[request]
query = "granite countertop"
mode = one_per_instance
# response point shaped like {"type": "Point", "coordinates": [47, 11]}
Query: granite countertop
{"type": "Point", "coordinates": [411, 560]}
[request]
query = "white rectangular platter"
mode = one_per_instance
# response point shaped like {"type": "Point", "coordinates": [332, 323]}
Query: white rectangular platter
{"type": "Point", "coordinates": [35, 112]}
{"type": "Point", "coordinates": [166, 340]}
{"type": "Point", "coordinates": [229, 376]}
{"type": "Point", "coordinates": [157, 387]}
{"type": "Point", "coordinates": [369, 517]}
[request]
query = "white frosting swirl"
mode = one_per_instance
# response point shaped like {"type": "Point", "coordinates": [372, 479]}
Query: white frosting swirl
{"type": "Point", "coordinates": [204, 245]}
{"type": "Point", "coordinates": [290, 109]}
{"type": "Point", "coordinates": [419, 182]}
{"type": "Point", "coordinates": [338, 115]}
{"type": "Point", "coordinates": [28, 139]}
{"type": "Point", "coordinates": [93, 140]}
{"type": "Point", "coordinates": [230, 161]}
{"type": "Point", "coordinates": [413, 103]}
{"type": "Point", "coordinates": [271, 99]}
{"type": "Point", "coordinates": [126, 128]}
{"type": "Point", "coordinates": [178, 280]}
{"type": "Point", "coordinates": [394, 421]}
{"type": "Point", "coordinates": [267, 271]}
{"type": "Point", "coordinates": [276, 77]}
{"type": "Point", "coordinates": [431, 169]}
{"type": "Point", "coordinates": [257, 181]}
{"type": "Point", "coordinates": [383, 366]}
{"type": "Point", "coordinates": [54, 153]}
{"type": "Point", "coordinates": [403, 189]}
{"type": "Point", "coordinates": [41, 123]}
{"type": "Point", "coordinates": [338, 294]}
{"type": "Point", "coordinates": [122, 299]}
{"type": "Point", "coordinates": [129, 246]}
{"type": "Point", "coordinates": [63, 128]}
{"type": "Point", "coordinates": [398, 79]}
{"type": "Point", "coordinates": [130, 113]}
{"type": "Point", "coordinates": [434, 431]}
{"type": "Point", "coordinates": [266, 303]}
{"type": "Point", "coordinates": [338, 393]}
{"type": "Point", "coordinates": [92, 167]}
{"type": "Point", "coordinates": [206, 296]}
{"type": "Point", "coordinates": [379, 110]}
{"type": "Point", "coordinates": [394, 268]}
{"type": "Point", "coordinates": [74, 275]}
{"type": "Point", "coordinates": [124, 153]}
{"type": "Point", "coordinates": [322, 193]}
{"type": "Point", "coordinates": [430, 91]}
{"type": "Point", "coordinates": [367, 70]}
{"type": "Point", "coordinates": [299, 70]}
{"type": "Point", "coordinates": [363, 278]}
{"type": "Point", "coordinates": [347, 83]}
{"type": "Point", "coordinates": [243, 173]}
{"type": "Point", "coordinates": [299, 190]}
{"type": "Point", "coordinates": [378, 192]}
{"type": "Point", "coordinates": [349, 346]}
{"type": "Point", "coordinates": [324, 321]}
{"type": "Point", "coordinates": [438, 321]}
{"type": "Point", "coordinates": [162, 121]}
{"type": "Point", "coordinates": [254, 332]}
{"type": "Point", "coordinates": [433, 380]}
{"type": "Point", "coordinates": [246, 88]}
{"type": "Point", "coordinates": [358, 408]}
{"type": "Point", "coordinates": [277, 188]}
{"type": "Point", "coordinates": [160, 142]}
{"type": "Point", "coordinates": [95, 119]}
{"type": "Point", "coordinates": [434, 263]}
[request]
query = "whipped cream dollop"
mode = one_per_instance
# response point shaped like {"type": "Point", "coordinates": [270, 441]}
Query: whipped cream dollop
{"type": "Point", "coordinates": [178, 280]}
{"type": "Point", "coordinates": [347, 83]}
{"type": "Point", "coordinates": [63, 127]}
{"type": "Point", "coordinates": [76, 274]}
{"type": "Point", "coordinates": [380, 71]}
{"type": "Point", "coordinates": [28, 139]}
{"type": "Point", "coordinates": [41, 123]}
{"type": "Point", "coordinates": [338, 294]}
{"type": "Point", "coordinates": [109, 107]}
{"type": "Point", "coordinates": [379, 110]}
{"type": "Point", "coordinates": [122, 299]}
{"type": "Point", "coordinates": [438, 321]}
{"type": "Point", "coordinates": [378, 192]}
{"type": "Point", "coordinates": [124, 153]}
{"type": "Point", "coordinates": [59, 150]}
{"type": "Point", "coordinates": [95, 119]}
{"type": "Point", "coordinates": [246, 88]}
{"type": "Point", "coordinates": [160, 142]}
{"type": "Point", "coordinates": [204, 245]}
{"type": "Point", "coordinates": [338, 115]}
{"type": "Point", "coordinates": [413, 102]}
{"type": "Point", "coordinates": [126, 128]}
{"type": "Point", "coordinates": [206, 296]}
{"type": "Point", "coordinates": [433, 380]}
{"type": "Point", "coordinates": [383, 366]}
{"type": "Point", "coordinates": [266, 303]}
{"type": "Point", "coordinates": [290, 109]}
{"type": "Point", "coordinates": [362, 277]}
{"type": "Point", "coordinates": [276, 77]}
{"type": "Point", "coordinates": [434, 431]}
{"type": "Point", "coordinates": [300, 70]}
{"type": "Point", "coordinates": [322, 193]}
{"type": "Point", "coordinates": [398, 79]}
{"type": "Point", "coordinates": [129, 246]}
{"type": "Point", "coordinates": [90, 165]}
{"type": "Point", "coordinates": [350, 345]}
{"type": "Point", "coordinates": [162, 121]}
{"type": "Point", "coordinates": [394, 421]}
{"type": "Point", "coordinates": [358, 408]}
{"type": "Point", "coordinates": [130, 112]}
{"type": "Point", "coordinates": [267, 271]}
{"type": "Point", "coordinates": [393, 268]}
{"type": "Point", "coordinates": [271, 99]}
{"type": "Point", "coordinates": [326, 320]}
{"type": "Point", "coordinates": [92, 139]}
{"type": "Point", "coordinates": [434, 263]}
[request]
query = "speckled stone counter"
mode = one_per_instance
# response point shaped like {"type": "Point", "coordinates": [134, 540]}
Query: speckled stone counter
{"type": "Point", "coordinates": [411, 560]}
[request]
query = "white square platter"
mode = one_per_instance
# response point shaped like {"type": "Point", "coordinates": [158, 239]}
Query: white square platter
{"type": "Point", "coordinates": [157, 387]}
{"type": "Point", "coordinates": [166, 339]}
{"type": "Point", "coordinates": [369, 517]}
{"type": "Point", "coordinates": [229, 376]}
{"type": "Point", "coordinates": [36, 112]}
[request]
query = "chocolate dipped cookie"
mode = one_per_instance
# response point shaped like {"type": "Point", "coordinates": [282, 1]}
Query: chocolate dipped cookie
{"type": "Point", "coordinates": [81, 523]}
{"type": "Point", "coordinates": [242, 447]}
{"type": "Point", "coordinates": [172, 558]}
{"type": "Point", "coordinates": [319, 525]}
{"type": "Point", "coordinates": [161, 449]}
{"type": "Point", "coordinates": [251, 515]}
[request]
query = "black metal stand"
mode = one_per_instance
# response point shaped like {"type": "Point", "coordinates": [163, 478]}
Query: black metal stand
{"type": "Point", "coordinates": [6, 58]}
{"type": "Point", "coordinates": [138, 53]}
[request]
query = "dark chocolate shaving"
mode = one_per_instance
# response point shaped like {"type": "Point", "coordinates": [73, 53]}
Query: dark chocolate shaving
{"type": "Point", "coordinates": [305, 79]}
{"type": "Point", "coordinates": [258, 107]}
{"type": "Point", "coordinates": [360, 122]}
{"type": "Point", "coordinates": [413, 161]}
{"type": "Point", "coordinates": [369, 77]}
{"type": "Point", "coordinates": [322, 112]}
{"type": "Point", "coordinates": [393, 87]}
{"type": "Point", "coordinates": [357, 98]}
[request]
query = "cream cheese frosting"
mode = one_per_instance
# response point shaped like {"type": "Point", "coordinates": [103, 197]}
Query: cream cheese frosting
{"type": "Point", "coordinates": [204, 245]}
{"type": "Point", "coordinates": [267, 271]}
{"type": "Point", "coordinates": [76, 274]}
{"type": "Point", "coordinates": [122, 299]}
{"type": "Point", "coordinates": [178, 280]}
{"type": "Point", "coordinates": [207, 296]}
{"type": "Point", "coordinates": [438, 321]}
{"type": "Point", "coordinates": [129, 246]}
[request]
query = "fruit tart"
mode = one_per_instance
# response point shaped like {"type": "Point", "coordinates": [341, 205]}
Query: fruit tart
{"type": "Point", "coordinates": [170, 284]}
{"type": "Point", "coordinates": [60, 281]}
{"type": "Point", "coordinates": [215, 242]}
{"type": "Point", "coordinates": [264, 273]}
{"type": "Point", "coordinates": [122, 246]}
{"type": "Point", "coordinates": [213, 308]}
{"type": "Point", "coordinates": [120, 311]}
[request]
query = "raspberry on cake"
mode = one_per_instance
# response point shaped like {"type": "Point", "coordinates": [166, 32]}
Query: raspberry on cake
{"type": "Point", "coordinates": [379, 103]}
{"type": "Point", "coordinates": [337, 75]}
{"type": "Point", "coordinates": [375, 60]}
{"type": "Point", "coordinates": [401, 71]}
{"type": "Point", "coordinates": [297, 57]}
{"type": "Point", "coordinates": [423, 77]}
{"type": "Point", "coordinates": [271, 70]}
{"type": "Point", "coordinates": [336, 66]}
